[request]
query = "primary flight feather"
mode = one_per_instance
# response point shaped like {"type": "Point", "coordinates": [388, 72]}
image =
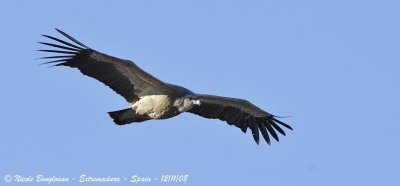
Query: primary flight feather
{"type": "Point", "coordinates": [150, 98]}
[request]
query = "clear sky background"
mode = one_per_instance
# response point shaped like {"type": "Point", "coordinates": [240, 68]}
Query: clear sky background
{"type": "Point", "coordinates": [332, 65]}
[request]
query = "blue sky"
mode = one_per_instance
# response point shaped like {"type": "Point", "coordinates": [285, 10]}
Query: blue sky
{"type": "Point", "coordinates": [332, 65]}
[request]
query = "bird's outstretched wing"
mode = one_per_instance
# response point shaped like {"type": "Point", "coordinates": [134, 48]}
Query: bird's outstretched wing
{"type": "Point", "coordinates": [123, 76]}
{"type": "Point", "coordinates": [241, 114]}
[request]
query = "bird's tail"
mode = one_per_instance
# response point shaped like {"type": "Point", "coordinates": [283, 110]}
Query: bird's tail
{"type": "Point", "coordinates": [126, 116]}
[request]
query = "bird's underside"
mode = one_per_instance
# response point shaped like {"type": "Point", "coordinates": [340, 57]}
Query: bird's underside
{"type": "Point", "coordinates": [151, 98]}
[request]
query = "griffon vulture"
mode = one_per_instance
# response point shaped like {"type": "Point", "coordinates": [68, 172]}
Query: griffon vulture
{"type": "Point", "coordinates": [151, 98]}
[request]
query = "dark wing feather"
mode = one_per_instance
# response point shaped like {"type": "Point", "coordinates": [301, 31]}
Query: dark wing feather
{"type": "Point", "coordinates": [241, 114]}
{"type": "Point", "coordinates": [264, 133]}
{"type": "Point", "coordinates": [123, 76]}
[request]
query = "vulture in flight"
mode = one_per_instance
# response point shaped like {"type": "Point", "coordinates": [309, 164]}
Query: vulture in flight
{"type": "Point", "coordinates": [151, 98]}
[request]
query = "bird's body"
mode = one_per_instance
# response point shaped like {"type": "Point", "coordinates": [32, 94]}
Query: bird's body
{"type": "Point", "coordinates": [155, 106]}
{"type": "Point", "coordinates": [161, 106]}
{"type": "Point", "coordinates": [151, 98]}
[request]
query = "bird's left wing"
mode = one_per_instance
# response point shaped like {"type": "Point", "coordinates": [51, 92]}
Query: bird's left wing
{"type": "Point", "coordinates": [123, 76]}
{"type": "Point", "coordinates": [241, 114]}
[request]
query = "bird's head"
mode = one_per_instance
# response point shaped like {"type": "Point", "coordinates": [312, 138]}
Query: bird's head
{"type": "Point", "coordinates": [192, 100]}
{"type": "Point", "coordinates": [186, 103]}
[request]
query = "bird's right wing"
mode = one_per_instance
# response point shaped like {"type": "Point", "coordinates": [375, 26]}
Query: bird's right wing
{"type": "Point", "coordinates": [240, 113]}
{"type": "Point", "coordinates": [123, 76]}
